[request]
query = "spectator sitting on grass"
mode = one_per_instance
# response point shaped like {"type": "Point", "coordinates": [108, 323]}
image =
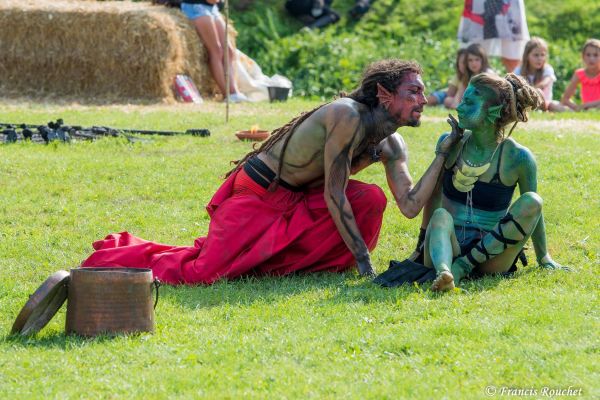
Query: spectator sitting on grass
{"type": "Point", "coordinates": [589, 77]}
{"type": "Point", "coordinates": [459, 81]}
{"type": "Point", "coordinates": [313, 13]}
{"type": "Point", "coordinates": [539, 73]}
{"type": "Point", "coordinates": [476, 63]}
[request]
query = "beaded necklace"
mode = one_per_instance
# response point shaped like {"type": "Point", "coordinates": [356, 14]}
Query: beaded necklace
{"type": "Point", "coordinates": [465, 175]}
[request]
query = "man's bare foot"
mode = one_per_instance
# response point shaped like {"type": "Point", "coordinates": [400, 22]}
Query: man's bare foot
{"type": "Point", "coordinates": [443, 283]}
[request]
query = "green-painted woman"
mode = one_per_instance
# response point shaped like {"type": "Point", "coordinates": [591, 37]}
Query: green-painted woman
{"type": "Point", "coordinates": [470, 221]}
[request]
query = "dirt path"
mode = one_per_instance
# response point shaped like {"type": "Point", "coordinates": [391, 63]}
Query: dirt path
{"type": "Point", "coordinates": [558, 126]}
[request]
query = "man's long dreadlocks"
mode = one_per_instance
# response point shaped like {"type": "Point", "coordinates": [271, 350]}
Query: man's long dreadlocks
{"type": "Point", "coordinates": [275, 137]}
{"type": "Point", "coordinates": [388, 73]}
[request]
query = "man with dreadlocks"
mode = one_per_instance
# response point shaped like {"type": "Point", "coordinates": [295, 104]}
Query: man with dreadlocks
{"type": "Point", "coordinates": [290, 206]}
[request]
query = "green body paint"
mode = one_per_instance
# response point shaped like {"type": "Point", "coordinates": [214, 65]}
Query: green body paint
{"type": "Point", "coordinates": [502, 233]}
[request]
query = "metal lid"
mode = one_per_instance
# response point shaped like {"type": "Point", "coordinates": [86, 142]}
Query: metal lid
{"type": "Point", "coordinates": [42, 305]}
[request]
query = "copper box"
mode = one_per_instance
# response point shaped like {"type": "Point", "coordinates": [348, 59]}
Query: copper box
{"type": "Point", "coordinates": [110, 301]}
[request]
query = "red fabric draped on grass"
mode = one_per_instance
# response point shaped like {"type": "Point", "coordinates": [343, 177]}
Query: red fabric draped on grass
{"type": "Point", "coordinates": [253, 232]}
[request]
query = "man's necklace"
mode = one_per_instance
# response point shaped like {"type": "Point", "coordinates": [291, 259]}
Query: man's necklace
{"type": "Point", "coordinates": [380, 129]}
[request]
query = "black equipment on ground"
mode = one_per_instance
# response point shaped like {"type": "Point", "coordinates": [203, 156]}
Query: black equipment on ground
{"type": "Point", "coordinates": [57, 131]}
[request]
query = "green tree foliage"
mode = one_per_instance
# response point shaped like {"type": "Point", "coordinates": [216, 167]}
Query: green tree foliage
{"type": "Point", "coordinates": [323, 63]}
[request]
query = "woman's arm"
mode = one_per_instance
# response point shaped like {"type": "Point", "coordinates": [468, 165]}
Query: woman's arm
{"type": "Point", "coordinates": [591, 104]}
{"type": "Point", "coordinates": [454, 101]}
{"type": "Point", "coordinates": [434, 202]}
{"type": "Point", "coordinates": [451, 90]}
{"type": "Point", "coordinates": [544, 82]}
{"type": "Point", "coordinates": [569, 92]}
{"type": "Point", "coordinates": [527, 182]}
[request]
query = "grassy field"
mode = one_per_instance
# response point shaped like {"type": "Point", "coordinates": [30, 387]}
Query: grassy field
{"type": "Point", "coordinates": [318, 336]}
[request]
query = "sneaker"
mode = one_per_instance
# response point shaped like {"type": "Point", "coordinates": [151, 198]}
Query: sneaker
{"type": "Point", "coordinates": [238, 98]}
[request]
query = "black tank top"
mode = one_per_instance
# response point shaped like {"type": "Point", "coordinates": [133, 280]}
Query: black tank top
{"type": "Point", "coordinates": [487, 196]}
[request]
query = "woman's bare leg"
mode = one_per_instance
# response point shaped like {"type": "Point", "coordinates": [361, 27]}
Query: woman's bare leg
{"type": "Point", "coordinates": [555, 106]}
{"type": "Point", "coordinates": [441, 246]}
{"type": "Point", "coordinates": [207, 30]}
{"type": "Point", "coordinates": [220, 26]}
{"type": "Point", "coordinates": [510, 64]}
{"type": "Point", "coordinates": [498, 249]}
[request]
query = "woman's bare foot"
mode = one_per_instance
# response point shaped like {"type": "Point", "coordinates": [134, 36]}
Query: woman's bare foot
{"type": "Point", "coordinates": [443, 283]}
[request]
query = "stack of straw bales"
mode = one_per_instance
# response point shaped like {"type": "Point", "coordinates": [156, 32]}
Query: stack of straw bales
{"type": "Point", "coordinates": [97, 52]}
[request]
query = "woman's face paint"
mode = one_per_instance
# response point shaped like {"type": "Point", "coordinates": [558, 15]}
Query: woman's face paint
{"type": "Point", "coordinates": [474, 63]}
{"type": "Point", "coordinates": [471, 110]}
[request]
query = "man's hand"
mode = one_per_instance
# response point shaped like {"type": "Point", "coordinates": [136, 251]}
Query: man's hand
{"type": "Point", "coordinates": [364, 266]}
{"type": "Point", "coordinates": [454, 136]}
{"type": "Point", "coordinates": [547, 262]}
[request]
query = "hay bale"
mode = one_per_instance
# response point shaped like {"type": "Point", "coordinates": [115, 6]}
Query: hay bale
{"type": "Point", "coordinates": [97, 51]}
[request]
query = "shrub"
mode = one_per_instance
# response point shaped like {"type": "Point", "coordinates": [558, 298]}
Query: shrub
{"type": "Point", "coordinates": [321, 63]}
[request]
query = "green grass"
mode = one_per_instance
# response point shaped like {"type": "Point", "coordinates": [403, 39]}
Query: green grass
{"type": "Point", "coordinates": [318, 336]}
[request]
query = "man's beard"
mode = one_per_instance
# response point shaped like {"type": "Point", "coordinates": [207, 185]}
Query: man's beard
{"type": "Point", "coordinates": [414, 122]}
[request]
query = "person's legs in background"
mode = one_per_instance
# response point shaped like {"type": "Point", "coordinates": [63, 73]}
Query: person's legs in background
{"type": "Point", "coordinates": [511, 52]}
{"type": "Point", "coordinates": [510, 64]}
{"type": "Point", "coordinates": [205, 26]}
{"type": "Point", "coordinates": [437, 97]}
{"type": "Point", "coordinates": [235, 94]}
{"type": "Point", "coordinates": [211, 29]}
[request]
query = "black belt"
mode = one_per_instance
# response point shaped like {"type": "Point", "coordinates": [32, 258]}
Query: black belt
{"type": "Point", "coordinates": [258, 171]}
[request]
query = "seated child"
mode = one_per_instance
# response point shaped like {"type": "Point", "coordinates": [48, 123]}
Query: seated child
{"type": "Point", "coordinates": [476, 63]}
{"type": "Point", "coordinates": [539, 73]}
{"type": "Point", "coordinates": [589, 77]}
{"type": "Point", "coordinates": [459, 80]}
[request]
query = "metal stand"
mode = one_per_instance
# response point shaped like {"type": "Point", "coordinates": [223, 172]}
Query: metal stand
{"type": "Point", "coordinates": [226, 61]}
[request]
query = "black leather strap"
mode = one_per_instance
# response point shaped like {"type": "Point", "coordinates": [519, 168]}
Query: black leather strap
{"type": "Point", "coordinates": [258, 171]}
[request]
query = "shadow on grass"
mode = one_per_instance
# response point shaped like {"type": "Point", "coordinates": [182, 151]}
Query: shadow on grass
{"type": "Point", "coordinates": [321, 288]}
{"type": "Point", "coordinates": [58, 340]}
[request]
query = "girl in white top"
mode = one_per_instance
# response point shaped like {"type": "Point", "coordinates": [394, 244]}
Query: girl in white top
{"type": "Point", "coordinates": [539, 73]}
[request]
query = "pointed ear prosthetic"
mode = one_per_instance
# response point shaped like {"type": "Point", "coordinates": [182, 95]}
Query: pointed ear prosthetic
{"type": "Point", "coordinates": [494, 112]}
{"type": "Point", "coordinates": [384, 96]}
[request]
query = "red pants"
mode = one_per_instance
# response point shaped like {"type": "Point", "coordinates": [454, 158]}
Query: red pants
{"type": "Point", "coordinates": [253, 232]}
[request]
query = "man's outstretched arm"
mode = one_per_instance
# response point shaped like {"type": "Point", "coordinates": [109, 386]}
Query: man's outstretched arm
{"type": "Point", "coordinates": [342, 137]}
{"type": "Point", "coordinates": [411, 199]}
